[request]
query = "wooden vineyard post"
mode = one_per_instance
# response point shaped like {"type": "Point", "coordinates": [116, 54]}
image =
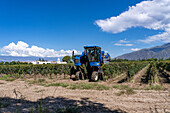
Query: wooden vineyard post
{"type": "Point", "coordinates": [127, 73]}
{"type": "Point", "coordinates": [81, 73]}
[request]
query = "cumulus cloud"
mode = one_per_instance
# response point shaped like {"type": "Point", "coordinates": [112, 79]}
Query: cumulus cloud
{"type": "Point", "coordinates": [23, 49]}
{"type": "Point", "coordinates": [151, 14]}
{"type": "Point", "coordinates": [135, 49]}
{"type": "Point", "coordinates": [118, 44]}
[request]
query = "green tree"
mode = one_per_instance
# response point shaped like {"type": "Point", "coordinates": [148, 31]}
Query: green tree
{"type": "Point", "coordinates": [6, 63]}
{"type": "Point", "coordinates": [43, 59]}
{"type": "Point", "coordinates": [1, 63]}
{"type": "Point", "coordinates": [12, 63]}
{"type": "Point", "coordinates": [39, 59]}
{"type": "Point", "coordinates": [67, 59]}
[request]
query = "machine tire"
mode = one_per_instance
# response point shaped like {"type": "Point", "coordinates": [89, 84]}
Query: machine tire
{"type": "Point", "coordinates": [78, 75]}
{"type": "Point", "coordinates": [94, 76]}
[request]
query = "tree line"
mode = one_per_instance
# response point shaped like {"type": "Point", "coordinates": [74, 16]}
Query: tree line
{"type": "Point", "coordinates": [14, 63]}
{"type": "Point", "coordinates": [152, 59]}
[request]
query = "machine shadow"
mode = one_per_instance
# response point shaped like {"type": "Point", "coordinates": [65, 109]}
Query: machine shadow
{"type": "Point", "coordinates": [51, 104]}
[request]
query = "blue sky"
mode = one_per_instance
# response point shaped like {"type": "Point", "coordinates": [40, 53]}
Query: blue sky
{"type": "Point", "coordinates": [51, 27]}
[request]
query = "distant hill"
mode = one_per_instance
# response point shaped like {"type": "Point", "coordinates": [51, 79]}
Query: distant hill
{"type": "Point", "coordinates": [25, 59]}
{"type": "Point", "coordinates": [154, 52]}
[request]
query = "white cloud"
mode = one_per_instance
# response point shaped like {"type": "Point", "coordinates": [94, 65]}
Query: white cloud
{"type": "Point", "coordinates": [118, 44]}
{"type": "Point", "coordinates": [23, 49]}
{"type": "Point", "coordinates": [165, 37]}
{"type": "Point", "coordinates": [135, 49]}
{"type": "Point", "coordinates": [124, 41]}
{"type": "Point", "coordinates": [124, 49]}
{"type": "Point", "coordinates": [151, 14]}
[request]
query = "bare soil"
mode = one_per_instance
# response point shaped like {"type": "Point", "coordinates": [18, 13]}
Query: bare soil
{"type": "Point", "coordinates": [137, 77]}
{"type": "Point", "coordinates": [24, 97]}
{"type": "Point", "coordinates": [118, 78]}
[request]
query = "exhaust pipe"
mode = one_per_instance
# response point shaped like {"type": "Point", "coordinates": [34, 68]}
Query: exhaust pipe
{"type": "Point", "coordinates": [73, 55]}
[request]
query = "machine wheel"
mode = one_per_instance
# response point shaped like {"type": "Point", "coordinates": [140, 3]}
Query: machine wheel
{"type": "Point", "coordinates": [78, 75]}
{"type": "Point", "coordinates": [94, 76]}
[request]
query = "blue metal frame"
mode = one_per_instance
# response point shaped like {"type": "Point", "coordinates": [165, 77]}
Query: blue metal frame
{"type": "Point", "coordinates": [91, 46]}
{"type": "Point", "coordinates": [94, 63]}
{"type": "Point", "coordinates": [78, 58]}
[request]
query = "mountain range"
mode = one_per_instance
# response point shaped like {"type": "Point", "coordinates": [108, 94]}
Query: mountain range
{"type": "Point", "coordinates": [148, 53]}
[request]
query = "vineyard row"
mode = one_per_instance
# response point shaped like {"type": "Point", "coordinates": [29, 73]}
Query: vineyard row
{"type": "Point", "coordinates": [111, 70]}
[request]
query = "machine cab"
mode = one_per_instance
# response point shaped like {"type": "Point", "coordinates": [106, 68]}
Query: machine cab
{"type": "Point", "coordinates": [93, 53]}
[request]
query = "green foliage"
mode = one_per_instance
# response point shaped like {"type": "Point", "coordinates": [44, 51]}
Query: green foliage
{"type": "Point", "coordinates": [105, 77]}
{"type": "Point", "coordinates": [120, 86]}
{"type": "Point", "coordinates": [110, 70]}
{"type": "Point", "coordinates": [44, 70]}
{"type": "Point", "coordinates": [89, 86]}
{"type": "Point", "coordinates": [117, 68]}
{"type": "Point", "coordinates": [153, 70]}
{"type": "Point", "coordinates": [14, 63]}
{"type": "Point", "coordinates": [119, 60]}
{"type": "Point", "coordinates": [59, 84]}
{"type": "Point", "coordinates": [125, 89]}
{"type": "Point", "coordinates": [9, 77]}
{"type": "Point", "coordinates": [116, 86]}
{"type": "Point", "coordinates": [120, 93]}
{"type": "Point", "coordinates": [41, 80]}
{"type": "Point", "coordinates": [151, 59]}
{"type": "Point", "coordinates": [128, 91]}
{"type": "Point", "coordinates": [113, 69]}
{"type": "Point", "coordinates": [164, 65]}
{"type": "Point", "coordinates": [66, 59]}
{"type": "Point", "coordinates": [154, 87]}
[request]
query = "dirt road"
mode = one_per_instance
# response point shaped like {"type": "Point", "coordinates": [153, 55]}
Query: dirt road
{"type": "Point", "coordinates": [24, 97]}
